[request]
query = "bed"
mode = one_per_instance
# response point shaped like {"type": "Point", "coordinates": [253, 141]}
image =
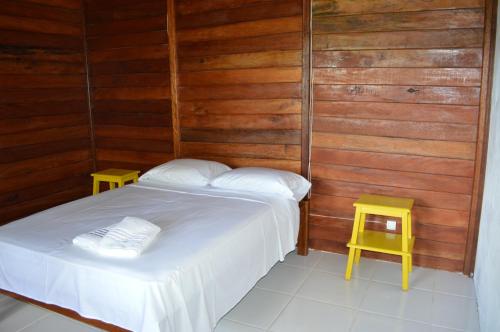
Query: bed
{"type": "Point", "coordinates": [214, 246]}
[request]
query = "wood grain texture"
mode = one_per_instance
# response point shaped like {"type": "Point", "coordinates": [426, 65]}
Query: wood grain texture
{"type": "Point", "coordinates": [397, 89]}
{"type": "Point", "coordinates": [45, 146]}
{"type": "Point", "coordinates": [240, 81]}
{"type": "Point", "coordinates": [129, 60]}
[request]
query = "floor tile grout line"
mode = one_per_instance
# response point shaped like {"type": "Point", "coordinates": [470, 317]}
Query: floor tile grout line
{"type": "Point", "coordinates": [34, 321]}
{"type": "Point", "coordinates": [293, 296]}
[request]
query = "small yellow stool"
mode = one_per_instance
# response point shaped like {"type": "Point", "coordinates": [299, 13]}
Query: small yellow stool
{"type": "Point", "coordinates": [112, 176]}
{"type": "Point", "coordinates": [389, 243]}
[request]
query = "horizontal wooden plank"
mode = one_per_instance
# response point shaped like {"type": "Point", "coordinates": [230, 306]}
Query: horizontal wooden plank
{"type": "Point", "coordinates": [131, 39]}
{"type": "Point", "coordinates": [132, 106]}
{"type": "Point", "coordinates": [417, 20]}
{"type": "Point", "coordinates": [451, 57]}
{"type": "Point", "coordinates": [457, 38]}
{"type": "Point", "coordinates": [242, 76]}
{"type": "Point", "coordinates": [418, 260]}
{"type": "Point", "coordinates": [22, 109]}
{"type": "Point", "coordinates": [38, 25]}
{"type": "Point", "coordinates": [397, 111]}
{"type": "Point", "coordinates": [242, 91]}
{"type": "Point", "coordinates": [423, 198]}
{"type": "Point", "coordinates": [143, 52]}
{"type": "Point", "coordinates": [45, 162]}
{"type": "Point", "coordinates": [133, 119]}
{"type": "Point", "coordinates": [327, 7]}
{"type": "Point", "coordinates": [430, 148]}
{"type": "Point", "coordinates": [24, 152]}
{"type": "Point", "coordinates": [422, 181]}
{"type": "Point", "coordinates": [10, 81]}
{"type": "Point", "coordinates": [283, 41]}
{"type": "Point", "coordinates": [331, 228]}
{"type": "Point", "coordinates": [26, 196]}
{"type": "Point", "coordinates": [28, 66]}
{"type": "Point", "coordinates": [140, 157]}
{"type": "Point", "coordinates": [190, 7]}
{"type": "Point", "coordinates": [128, 67]}
{"type": "Point", "coordinates": [242, 106]}
{"type": "Point", "coordinates": [390, 128]}
{"type": "Point", "coordinates": [69, 4]}
{"type": "Point", "coordinates": [242, 29]}
{"type": "Point", "coordinates": [341, 207]}
{"type": "Point", "coordinates": [264, 151]}
{"type": "Point", "coordinates": [397, 162]}
{"type": "Point", "coordinates": [16, 125]}
{"type": "Point", "coordinates": [399, 76]}
{"type": "Point", "coordinates": [142, 24]}
{"type": "Point", "coordinates": [140, 145]}
{"type": "Point", "coordinates": [32, 206]}
{"type": "Point", "coordinates": [104, 164]}
{"type": "Point", "coordinates": [52, 134]}
{"type": "Point", "coordinates": [40, 40]}
{"type": "Point", "coordinates": [247, 121]}
{"type": "Point", "coordinates": [37, 55]}
{"type": "Point", "coordinates": [133, 132]}
{"type": "Point", "coordinates": [32, 10]}
{"type": "Point", "coordinates": [399, 93]}
{"type": "Point", "coordinates": [132, 80]}
{"type": "Point", "coordinates": [106, 11]}
{"type": "Point", "coordinates": [13, 184]}
{"type": "Point", "coordinates": [286, 165]}
{"type": "Point", "coordinates": [255, 136]}
{"type": "Point", "coordinates": [259, 11]}
{"type": "Point", "coordinates": [42, 95]}
{"type": "Point", "coordinates": [242, 60]}
{"type": "Point", "coordinates": [132, 93]}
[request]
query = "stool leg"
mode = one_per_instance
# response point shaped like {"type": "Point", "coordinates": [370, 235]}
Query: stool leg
{"type": "Point", "coordinates": [404, 272]}
{"type": "Point", "coordinates": [350, 262]}
{"type": "Point", "coordinates": [410, 258]}
{"type": "Point", "coordinates": [404, 248]}
{"type": "Point", "coordinates": [111, 185]}
{"type": "Point", "coordinates": [361, 229]}
{"type": "Point", "coordinates": [354, 239]}
{"type": "Point", "coordinates": [121, 183]}
{"type": "Point", "coordinates": [136, 178]}
{"type": "Point", "coordinates": [95, 187]}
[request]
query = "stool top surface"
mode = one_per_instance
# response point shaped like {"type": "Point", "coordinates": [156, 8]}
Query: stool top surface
{"type": "Point", "coordinates": [116, 172]}
{"type": "Point", "coordinates": [385, 201]}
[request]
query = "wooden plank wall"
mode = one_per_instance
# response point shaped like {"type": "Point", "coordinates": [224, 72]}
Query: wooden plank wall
{"type": "Point", "coordinates": [45, 149]}
{"type": "Point", "coordinates": [240, 75]}
{"type": "Point", "coordinates": [395, 103]}
{"type": "Point", "coordinates": [128, 56]}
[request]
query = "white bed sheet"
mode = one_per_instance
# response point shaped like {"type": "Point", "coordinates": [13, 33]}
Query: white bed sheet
{"type": "Point", "coordinates": [214, 246]}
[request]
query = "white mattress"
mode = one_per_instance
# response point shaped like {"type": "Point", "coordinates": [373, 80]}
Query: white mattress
{"type": "Point", "coordinates": [214, 246]}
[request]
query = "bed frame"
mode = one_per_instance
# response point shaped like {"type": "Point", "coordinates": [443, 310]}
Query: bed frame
{"type": "Point", "coordinates": [302, 249]}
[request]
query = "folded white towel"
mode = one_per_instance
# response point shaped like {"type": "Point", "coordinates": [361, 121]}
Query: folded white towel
{"type": "Point", "coordinates": [90, 241]}
{"type": "Point", "coordinates": [126, 239]}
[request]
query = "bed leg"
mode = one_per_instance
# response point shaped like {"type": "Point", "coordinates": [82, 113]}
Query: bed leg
{"type": "Point", "coordinates": [303, 240]}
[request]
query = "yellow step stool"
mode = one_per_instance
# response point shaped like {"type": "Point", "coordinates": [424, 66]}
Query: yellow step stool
{"type": "Point", "coordinates": [112, 176]}
{"type": "Point", "coordinates": [389, 243]}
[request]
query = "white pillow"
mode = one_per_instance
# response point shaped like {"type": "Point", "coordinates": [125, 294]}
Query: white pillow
{"type": "Point", "coordinates": [189, 172]}
{"type": "Point", "coordinates": [266, 180]}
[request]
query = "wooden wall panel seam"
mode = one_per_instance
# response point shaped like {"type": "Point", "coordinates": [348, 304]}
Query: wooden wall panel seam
{"type": "Point", "coordinates": [88, 88]}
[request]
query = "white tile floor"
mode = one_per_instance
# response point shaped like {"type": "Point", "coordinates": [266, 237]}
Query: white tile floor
{"type": "Point", "coordinates": [310, 294]}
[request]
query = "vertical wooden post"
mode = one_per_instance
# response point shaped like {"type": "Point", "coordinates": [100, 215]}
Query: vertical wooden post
{"type": "Point", "coordinates": [172, 47]}
{"type": "Point", "coordinates": [306, 89]}
{"type": "Point", "coordinates": [303, 240]}
{"type": "Point", "coordinates": [482, 134]}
